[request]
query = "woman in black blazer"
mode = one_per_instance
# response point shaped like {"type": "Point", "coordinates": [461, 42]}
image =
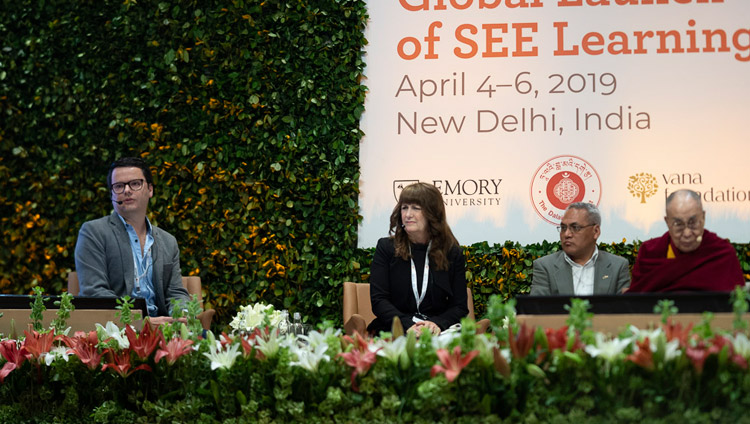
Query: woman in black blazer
{"type": "Point", "coordinates": [426, 295]}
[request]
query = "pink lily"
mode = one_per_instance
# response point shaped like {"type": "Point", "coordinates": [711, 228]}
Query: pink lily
{"type": "Point", "coordinates": [145, 343]}
{"type": "Point", "coordinates": [697, 356]}
{"type": "Point", "coordinates": [719, 342]}
{"type": "Point", "coordinates": [558, 340]}
{"type": "Point", "coordinates": [521, 345]}
{"type": "Point", "coordinates": [38, 344]}
{"type": "Point", "coordinates": [173, 349]}
{"type": "Point", "coordinates": [360, 358]}
{"type": "Point", "coordinates": [15, 357]}
{"type": "Point", "coordinates": [676, 331]}
{"type": "Point", "coordinates": [84, 346]}
{"type": "Point", "coordinates": [643, 356]}
{"type": "Point", "coordinates": [453, 363]}
{"type": "Point", "coordinates": [120, 363]}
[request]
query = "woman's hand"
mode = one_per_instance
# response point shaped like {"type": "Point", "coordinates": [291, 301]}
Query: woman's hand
{"type": "Point", "coordinates": [423, 326]}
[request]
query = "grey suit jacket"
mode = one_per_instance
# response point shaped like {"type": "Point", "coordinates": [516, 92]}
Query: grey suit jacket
{"type": "Point", "coordinates": [104, 262]}
{"type": "Point", "coordinates": [554, 276]}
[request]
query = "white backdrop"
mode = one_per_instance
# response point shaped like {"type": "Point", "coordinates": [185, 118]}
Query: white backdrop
{"type": "Point", "coordinates": [514, 112]}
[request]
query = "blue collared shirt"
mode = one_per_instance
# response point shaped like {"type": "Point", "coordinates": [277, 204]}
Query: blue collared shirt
{"type": "Point", "coordinates": [143, 266]}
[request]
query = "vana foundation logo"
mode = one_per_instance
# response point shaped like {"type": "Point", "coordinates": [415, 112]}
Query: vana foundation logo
{"type": "Point", "coordinates": [642, 186]}
{"type": "Point", "coordinates": [561, 181]}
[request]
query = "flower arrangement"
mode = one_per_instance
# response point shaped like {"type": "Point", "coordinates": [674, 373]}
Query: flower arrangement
{"type": "Point", "coordinates": [250, 317]}
{"type": "Point", "coordinates": [519, 374]}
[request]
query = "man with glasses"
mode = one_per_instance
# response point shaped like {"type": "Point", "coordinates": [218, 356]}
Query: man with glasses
{"type": "Point", "coordinates": [123, 254]}
{"type": "Point", "coordinates": [580, 269]}
{"type": "Point", "coordinates": [687, 257]}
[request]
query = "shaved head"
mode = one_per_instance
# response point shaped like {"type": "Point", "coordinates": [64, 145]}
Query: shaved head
{"type": "Point", "coordinates": [685, 219]}
{"type": "Point", "coordinates": [684, 194]}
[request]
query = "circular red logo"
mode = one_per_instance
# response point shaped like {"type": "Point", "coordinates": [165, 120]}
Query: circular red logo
{"type": "Point", "coordinates": [561, 181]}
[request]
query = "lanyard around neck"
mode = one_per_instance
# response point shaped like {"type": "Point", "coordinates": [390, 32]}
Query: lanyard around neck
{"type": "Point", "coordinates": [145, 263]}
{"type": "Point", "coordinates": [419, 297]}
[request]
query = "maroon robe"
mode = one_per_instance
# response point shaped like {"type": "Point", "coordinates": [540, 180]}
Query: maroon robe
{"type": "Point", "coordinates": [712, 267]}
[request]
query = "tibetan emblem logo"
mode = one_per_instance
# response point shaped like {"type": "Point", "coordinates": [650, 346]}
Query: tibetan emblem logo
{"type": "Point", "coordinates": [561, 181]}
{"type": "Point", "coordinates": [399, 185]}
{"type": "Point", "coordinates": [642, 185]}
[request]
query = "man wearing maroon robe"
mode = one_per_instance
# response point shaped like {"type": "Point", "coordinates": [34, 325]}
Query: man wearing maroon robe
{"type": "Point", "coordinates": [687, 257]}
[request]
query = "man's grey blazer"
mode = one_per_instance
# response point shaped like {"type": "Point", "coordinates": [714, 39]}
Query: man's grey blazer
{"type": "Point", "coordinates": [554, 276]}
{"type": "Point", "coordinates": [104, 262]}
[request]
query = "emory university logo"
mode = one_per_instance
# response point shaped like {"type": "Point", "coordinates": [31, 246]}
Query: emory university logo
{"type": "Point", "coordinates": [399, 185]}
{"type": "Point", "coordinates": [561, 181]}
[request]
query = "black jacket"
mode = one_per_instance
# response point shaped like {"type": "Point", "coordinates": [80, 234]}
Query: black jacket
{"type": "Point", "coordinates": [391, 292]}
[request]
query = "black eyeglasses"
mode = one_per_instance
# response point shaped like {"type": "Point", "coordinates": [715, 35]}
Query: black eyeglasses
{"type": "Point", "coordinates": [575, 228]}
{"type": "Point", "coordinates": [134, 185]}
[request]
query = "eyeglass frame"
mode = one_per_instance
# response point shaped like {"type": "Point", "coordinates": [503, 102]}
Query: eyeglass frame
{"type": "Point", "coordinates": [574, 228]}
{"type": "Point", "coordinates": [141, 181]}
{"type": "Point", "coordinates": [694, 223]}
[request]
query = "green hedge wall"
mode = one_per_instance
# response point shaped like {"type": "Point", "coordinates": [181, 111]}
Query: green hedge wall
{"type": "Point", "coordinates": [247, 110]}
{"type": "Point", "coordinates": [249, 113]}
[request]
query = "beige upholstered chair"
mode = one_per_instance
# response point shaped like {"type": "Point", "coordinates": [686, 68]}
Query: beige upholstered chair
{"type": "Point", "coordinates": [193, 286]}
{"type": "Point", "coordinates": [191, 283]}
{"type": "Point", "coordinates": [73, 287]}
{"type": "Point", "coordinates": [358, 309]}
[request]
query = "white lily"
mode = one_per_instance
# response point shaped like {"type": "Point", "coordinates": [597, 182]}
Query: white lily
{"type": "Point", "coordinates": [443, 340]}
{"type": "Point", "coordinates": [506, 354]}
{"type": "Point", "coordinates": [59, 352]}
{"type": "Point", "coordinates": [250, 317]}
{"type": "Point", "coordinates": [223, 358]}
{"type": "Point", "coordinates": [672, 350]}
{"type": "Point", "coordinates": [288, 341]}
{"type": "Point", "coordinates": [111, 330]}
{"type": "Point", "coordinates": [308, 357]}
{"type": "Point", "coordinates": [269, 347]}
{"type": "Point", "coordinates": [314, 337]}
{"type": "Point", "coordinates": [607, 349]}
{"type": "Point", "coordinates": [652, 335]}
{"type": "Point", "coordinates": [485, 346]}
{"type": "Point", "coordinates": [741, 345]}
{"type": "Point", "coordinates": [391, 350]}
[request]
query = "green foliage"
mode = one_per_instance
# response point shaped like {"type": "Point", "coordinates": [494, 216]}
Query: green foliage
{"type": "Point", "coordinates": [666, 309]}
{"type": "Point", "coordinates": [502, 316]}
{"type": "Point", "coordinates": [247, 111]}
{"type": "Point", "coordinates": [192, 309]}
{"type": "Point", "coordinates": [546, 380]}
{"type": "Point", "coordinates": [249, 115]}
{"type": "Point", "coordinates": [739, 307]}
{"type": "Point", "coordinates": [64, 308]}
{"type": "Point", "coordinates": [37, 309]}
{"type": "Point", "coordinates": [124, 308]}
{"type": "Point", "coordinates": [579, 319]}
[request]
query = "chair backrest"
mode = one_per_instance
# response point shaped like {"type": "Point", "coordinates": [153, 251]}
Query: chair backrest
{"type": "Point", "coordinates": [193, 286]}
{"type": "Point", "coordinates": [73, 287]}
{"type": "Point", "coordinates": [191, 283]}
{"type": "Point", "coordinates": [357, 301]}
